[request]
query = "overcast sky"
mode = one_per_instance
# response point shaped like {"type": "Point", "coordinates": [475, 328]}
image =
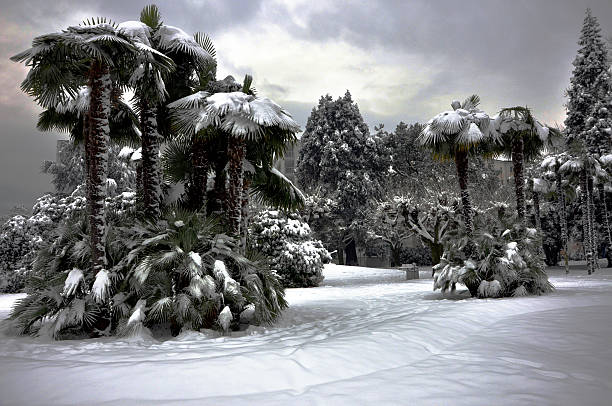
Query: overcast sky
{"type": "Point", "coordinates": [401, 60]}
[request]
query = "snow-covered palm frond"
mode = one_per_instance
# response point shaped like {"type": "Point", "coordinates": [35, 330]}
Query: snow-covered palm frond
{"type": "Point", "coordinates": [571, 166]}
{"type": "Point", "coordinates": [428, 137]}
{"type": "Point", "coordinates": [239, 125]}
{"type": "Point", "coordinates": [136, 30]}
{"type": "Point", "coordinates": [101, 286]}
{"type": "Point", "coordinates": [238, 113]}
{"type": "Point", "coordinates": [220, 104]}
{"type": "Point", "coordinates": [73, 281]}
{"type": "Point", "coordinates": [542, 130]}
{"type": "Point", "coordinates": [161, 309]}
{"type": "Point", "coordinates": [174, 39]}
{"type": "Point", "coordinates": [78, 104]}
{"type": "Point", "coordinates": [189, 121]}
{"type": "Point", "coordinates": [540, 185]}
{"type": "Point", "coordinates": [269, 114]}
{"type": "Point", "coordinates": [448, 122]}
{"type": "Point", "coordinates": [193, 101]}
{"type": "Point", "coordinates": [471, 135]}
{"type": "Point", "coordinates": [110, 37]}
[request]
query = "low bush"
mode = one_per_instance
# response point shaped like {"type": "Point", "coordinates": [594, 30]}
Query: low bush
{"type": "Point", "coordinates": [287, 243]}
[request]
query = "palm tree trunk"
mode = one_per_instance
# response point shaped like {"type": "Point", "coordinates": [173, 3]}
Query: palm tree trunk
{"type": "Point", "coordinates": [586, 218]}
{"type": "Point", "coordinates": [563, 214]}
{"type": "Point", "coordinates": [519, 182]}
{"type": "Point", "coordinates": [218, 198]}
{"type": "Point", "coordinates": [151, 174]}
{"type": "Point", "coordinates": [592, 225]}
{"type": "Point", "coordinates": [603, 204]}
{"type": "Point", "coordinates": [199, 178]}
{"type": "Point", "coordinates": [99, 111]}
{"type": "Point", "coordinates": [244, 213]}
{"type": "Point", "coordinates": [87, 156]}
{"type": "Point", "coordinates": [461, 163]}
{"type": "Point", "coordinates": [536, 211]}
{"type": "Point", "coordinates": [236, 150]}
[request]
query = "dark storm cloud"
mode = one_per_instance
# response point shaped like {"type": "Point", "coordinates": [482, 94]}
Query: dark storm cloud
{"type": "Point", "coordinates": [509, 52]}
{"type": "Point", "coordinates": [22, 147]}
{"type": "Point", "coordinates": [519, 49]}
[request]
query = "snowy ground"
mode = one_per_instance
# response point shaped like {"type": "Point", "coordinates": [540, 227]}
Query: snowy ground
{"type": "Point", "coordinates": [365, 337]}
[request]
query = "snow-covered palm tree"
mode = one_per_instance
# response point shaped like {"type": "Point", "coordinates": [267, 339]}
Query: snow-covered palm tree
{"type": "Point", "coordinates": [60, 64]}
{"type": "Point", "coordinates": [553, 163]}
{"type": "Point", "coordinates": [147, 79]}
{"type": "Point", "coordinates": [241, 117]}
{"type": "Point", "coordinates": [523, 138]}
{"type": "Point", "coordinates": [584, 166]}
{"type": "Point", "coordinates": [456, 134]}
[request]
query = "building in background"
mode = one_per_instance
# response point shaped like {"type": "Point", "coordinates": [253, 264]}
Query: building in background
{"type": "Point", "coordinates": [506, 174]}
{"type": "Point", "coordinates": [288, 163]}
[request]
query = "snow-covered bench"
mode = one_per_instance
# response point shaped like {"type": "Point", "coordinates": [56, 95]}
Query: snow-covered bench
{"type": "Point", "coordinates": [412, 271]}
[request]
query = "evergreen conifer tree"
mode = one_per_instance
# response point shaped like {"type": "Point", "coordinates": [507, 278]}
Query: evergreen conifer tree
{"type": "Point", "coordinates": [587, 130]}
{"type": "Point", "coordinates": [339, 159]}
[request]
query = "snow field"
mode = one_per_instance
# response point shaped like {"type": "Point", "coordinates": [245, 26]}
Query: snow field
{"type": "Point", "coordinates": [366, 336]}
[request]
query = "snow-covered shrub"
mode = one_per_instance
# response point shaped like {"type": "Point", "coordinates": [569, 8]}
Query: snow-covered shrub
{"type": "Point", "coordinates": [505, 262]}
{"type": "Point", "coordinates": [175, 274]}
{"type": "Point", "coordinates": [287, 243]}
{"type": "Point", "coordinates": [193, 277]}
{"type": "Point", "coordinates": [62, 300]}
{"type": "Point", "coordinates": [21, 237]}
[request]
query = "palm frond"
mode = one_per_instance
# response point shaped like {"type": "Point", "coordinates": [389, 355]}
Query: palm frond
{"type": "Point", "coordinates": [471, 102]}
{"type": "Point", "coordinates": [272, 188]}
{"type": "Point", "coordinates": [173, 39]}
{"type": "Point", "coordinates": [151, 16]}
{"type": "Point", "coordinates": [206, 43]}
{"type": "Point", "coordinates": [448, 122]}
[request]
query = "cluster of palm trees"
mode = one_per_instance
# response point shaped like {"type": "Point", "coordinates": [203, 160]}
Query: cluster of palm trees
{"type": "Point", "coordinates": [467, 131]}
{"type": "Point", "coordinates": [211, 128]}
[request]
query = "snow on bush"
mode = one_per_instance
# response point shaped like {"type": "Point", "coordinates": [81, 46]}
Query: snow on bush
{"type": "Point", "coordinates": [505, 262]}
{"type": "Point", "coordinates": [287, 243]}
{"type": "Point", "coordinates": [172, 275]}
{"type": "Point", "coordinates": [21, 237]}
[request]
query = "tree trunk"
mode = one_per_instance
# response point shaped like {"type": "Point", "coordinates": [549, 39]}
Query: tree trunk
{"type": "Point", "coordinates": [586, 218]}
{"type": "Point", "coordinates": [396, 251]}
{"type": "Point", "coordinates": [538, 220]}
{"type": "Point", "coordinates": [99, 111]}
{"type": "Point", "coordinates": [592, 224]}
{"type": "Point", "coordinates": [340, 252]}
{"type": "Point", "coordinates": [87, 155]}
{"type": "Point", "coordinates": [519, 182]}
{"type": "Point", "coordinates": [236, 151]}
{"type": "Point", "coordinates": [536, 211]}
{"type": "Point", "coordinates": [461, 163]}
{"type": "Point", "coordinates": [563, 215]}
{"type": "Point", "coordinates": [437, 250]}
{"type": "Point", "coordinates": [244, 213]}
{"type": "Point", "coordinates": [151, 173]}
{"type": "Point", "coordinates": [199, 177]}
{"type": "Point", "coordinates": [351, 253]}
{"type": "Point", "coordinates": [603, 204]}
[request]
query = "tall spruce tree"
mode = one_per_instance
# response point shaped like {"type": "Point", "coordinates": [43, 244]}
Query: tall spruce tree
{"type": "Point", "coordinates": [588, 101]}
{"type": "Point", "coordinates": [339, 159]}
